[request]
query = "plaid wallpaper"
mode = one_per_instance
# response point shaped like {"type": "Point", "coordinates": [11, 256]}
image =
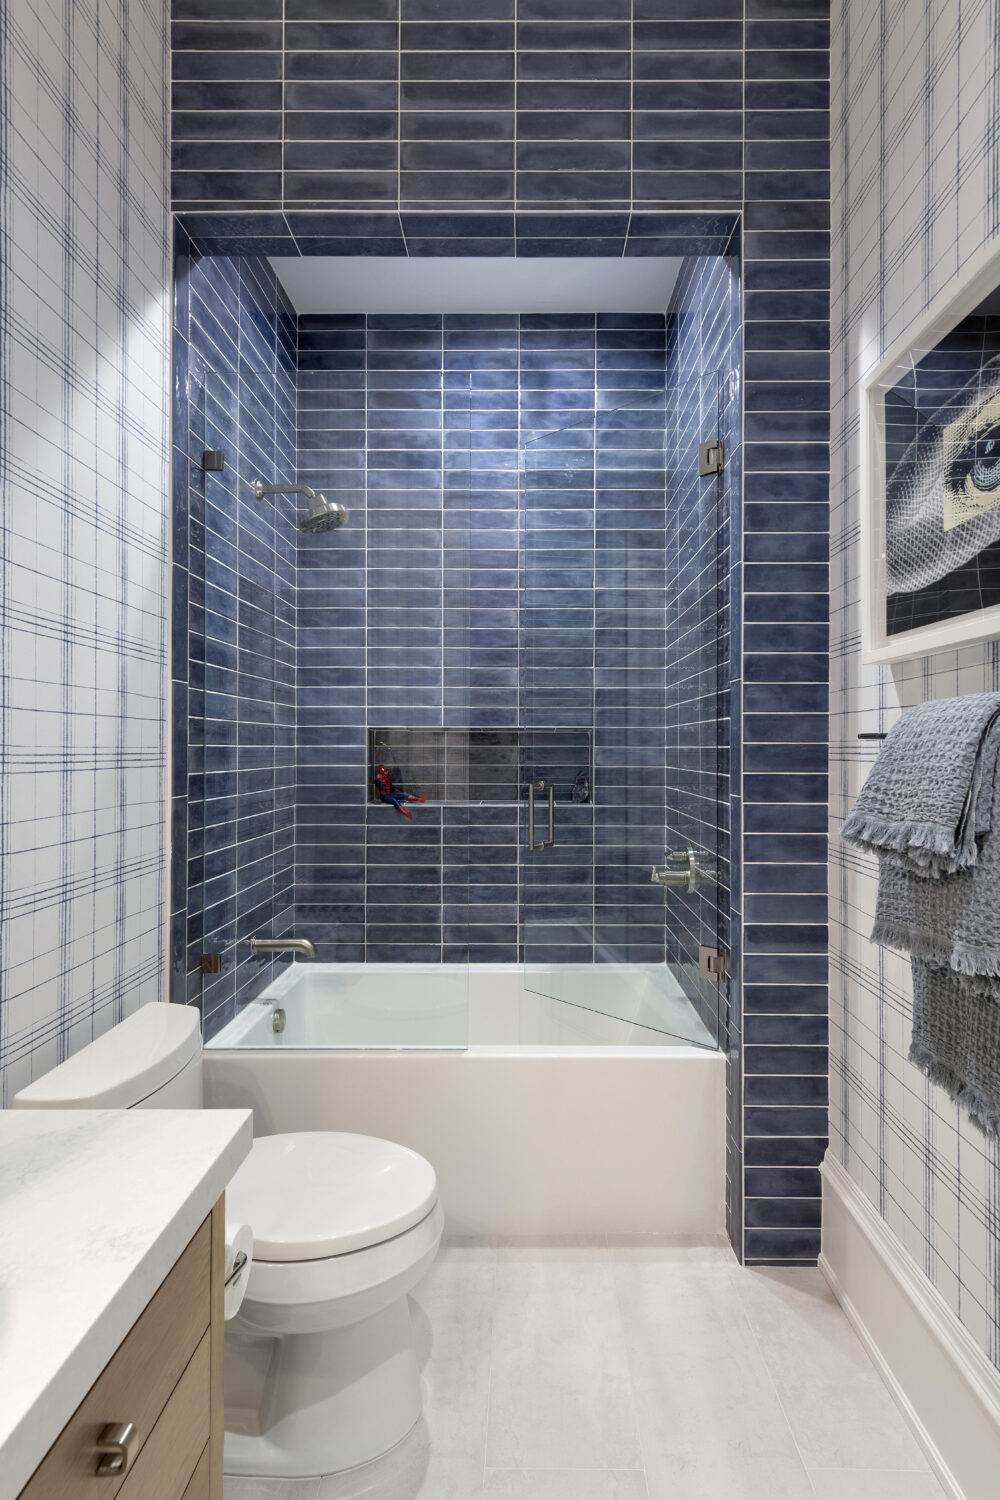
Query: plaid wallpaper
{"type": "Point", "coordinates": [83, 544]}
{"type": "Point", "coordinates": [916, 110]}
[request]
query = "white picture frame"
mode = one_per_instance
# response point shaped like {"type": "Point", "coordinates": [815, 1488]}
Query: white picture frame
{"type": "Point", "coordinates": [975, 281]}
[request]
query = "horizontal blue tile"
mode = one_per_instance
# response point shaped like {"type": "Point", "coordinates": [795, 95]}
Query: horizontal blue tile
{"type": "Point", "coordinates": [782, 1213]}
{"type": "Point", "coordinates": [786, 969]}
{"type": "Point", "coordinates": [244, 36]}
{"type": "Point", "coordinates": [791, 1152]}
{"type": "Point", "coordinates": [795, 1060]}
{"type": "Point", "coordinates": [786, 1091]}
{"type": "Point", "coordinates": [784, 848]}
{"type": "Point", "coordinates": [779, 1121]}
{"type": "Point", "coordinates": [784, 817]}
{"type": "Point", "coordinates": [776, 608]}
{"type": "Point", "coordinates": [778, 698]}
{"type": "Point", "coordinates": [784, 878]}
{"type": "Point", "coordinates": [786, 547]}
{"type": "Point", "coordinates": [555, 10]}
{"type": "Point", "coordinates": [796, 666]}
{"type": "Point", "coordinates": [777, 727]}
{"type": "Point", "coordinates": [785, 578]}
{"type": "Point", "coordinates": [781, 1246]}
{"type": "Point", "coordinates": [782, 1182]}
{"type": "Point", "coordinates": [785, 938]}
{"type": "Point", "coordinates": [691, 35]}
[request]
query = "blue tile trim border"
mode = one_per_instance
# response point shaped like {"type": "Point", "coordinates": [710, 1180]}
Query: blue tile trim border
{"type": "Point", "coordinates": [467, 232]}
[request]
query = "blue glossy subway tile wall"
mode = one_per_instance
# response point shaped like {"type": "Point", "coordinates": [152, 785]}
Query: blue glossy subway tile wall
{"type": "Point", "coordinates": [779, 808]}
{"type": "Point", "coordinates": [506, 476]}
{"type": "Point", "coordinates": [496, 106]}
{"type": "Point", "coordinates": [506, 144]}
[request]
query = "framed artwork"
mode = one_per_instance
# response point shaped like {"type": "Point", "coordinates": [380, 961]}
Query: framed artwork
{"type": "Point", "coordinates": [930, 480]}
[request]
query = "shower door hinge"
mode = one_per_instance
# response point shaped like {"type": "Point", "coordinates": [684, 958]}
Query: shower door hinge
{"type": "Point", "coordinates": [711, 457]}
{"type": "Point", "coordinates": [711, 963]}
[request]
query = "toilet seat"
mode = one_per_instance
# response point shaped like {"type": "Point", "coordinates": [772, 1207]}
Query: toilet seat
{"type": "Point", "coordinates": [318, 1195]}
{"type": "Point", "coordinates": [306, 1295]}
{"type": "Point", "coordinates": [342, 1225]}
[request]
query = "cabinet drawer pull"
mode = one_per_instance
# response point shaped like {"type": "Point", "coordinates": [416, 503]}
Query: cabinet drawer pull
{"type": "Point", "coordinates": [117, 1442]}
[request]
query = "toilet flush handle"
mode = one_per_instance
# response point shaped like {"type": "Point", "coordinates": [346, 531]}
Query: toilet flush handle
{"type": "Point", "coordinates": [238, 1267]}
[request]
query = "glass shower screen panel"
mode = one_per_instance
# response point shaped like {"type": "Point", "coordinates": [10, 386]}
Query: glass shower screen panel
{"type": "Point", "coordinates": [620, 613]}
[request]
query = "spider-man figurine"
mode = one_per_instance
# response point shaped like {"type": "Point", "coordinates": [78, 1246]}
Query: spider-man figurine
{"type": "Point", "coordinates": [389, 789]}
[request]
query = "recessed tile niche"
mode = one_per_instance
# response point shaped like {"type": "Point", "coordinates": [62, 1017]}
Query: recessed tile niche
{"type": "Point", "coordinates": [492, 766]}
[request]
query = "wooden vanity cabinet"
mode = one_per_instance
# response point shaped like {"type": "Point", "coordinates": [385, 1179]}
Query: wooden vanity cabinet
{"type": "Point", "coordinates": [151, 1425]}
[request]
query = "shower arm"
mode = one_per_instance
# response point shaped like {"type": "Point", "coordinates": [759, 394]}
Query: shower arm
{"type": "Point", "coordinates": [261, 489]}
{"type": "Point", "coordinates": [322, 515]}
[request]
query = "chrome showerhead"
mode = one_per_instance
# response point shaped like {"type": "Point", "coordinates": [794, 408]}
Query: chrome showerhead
{"type": "Point", "coordinates": [323, 515]}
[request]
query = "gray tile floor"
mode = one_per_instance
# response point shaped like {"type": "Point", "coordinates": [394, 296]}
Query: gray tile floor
{"type": "Point", "coordinates": [633, 1370]}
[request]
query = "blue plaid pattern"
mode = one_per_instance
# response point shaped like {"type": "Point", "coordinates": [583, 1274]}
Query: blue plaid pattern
{"type": "Point", "coordinates": [83, 486]}
{"type": "Point", "coordinates": [915, 192]}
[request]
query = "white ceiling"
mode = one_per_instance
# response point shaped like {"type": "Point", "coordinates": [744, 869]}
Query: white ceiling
{"type": "Point", "coordinates": [444, 284]}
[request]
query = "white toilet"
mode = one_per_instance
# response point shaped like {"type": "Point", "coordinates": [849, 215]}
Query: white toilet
{"type": "Point", "coordinates": [321, 1373]}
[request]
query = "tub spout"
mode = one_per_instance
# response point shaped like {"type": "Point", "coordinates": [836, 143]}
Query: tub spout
{"type": "Point", "coordinates": [302, 946]}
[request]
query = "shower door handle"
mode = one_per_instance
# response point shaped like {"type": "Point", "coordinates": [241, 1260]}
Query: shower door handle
{"type": "Point", "coordinates": [533, 843]}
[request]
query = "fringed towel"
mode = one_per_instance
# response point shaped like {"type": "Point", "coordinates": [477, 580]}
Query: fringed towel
{"type": "Point", "coordinates": [921, 806]}
{"type": "Point", "coordinates": [952, 922]}
{"type": "Point", "coordinates": [956, 1039]}
{"type": "Point", "coordinates": [930, 809]}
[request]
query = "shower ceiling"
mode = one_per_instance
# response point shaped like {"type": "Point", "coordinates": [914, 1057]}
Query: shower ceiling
{"type": "Point", "coordinates": [467, 284]}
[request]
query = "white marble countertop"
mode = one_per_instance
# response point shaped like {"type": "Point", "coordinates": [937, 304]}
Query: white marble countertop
{"type": "Point", "coordinates": [95, 1208]}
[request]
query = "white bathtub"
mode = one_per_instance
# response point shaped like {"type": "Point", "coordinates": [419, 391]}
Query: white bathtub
{"type": "Point", "coordinates": [360, 1006]}
{"type": "Point", "coordinates": [542, 1116]}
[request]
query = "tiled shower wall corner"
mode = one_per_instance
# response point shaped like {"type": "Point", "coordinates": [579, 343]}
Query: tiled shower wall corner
{"type": "Point", "coordinates": [234, 622]}
{"type": "Point", "coordinates": [504, 567]}
{"type": "Point", "coordinates": [905, 224]}
{"type": "Point", "coordinates": [84, 351]}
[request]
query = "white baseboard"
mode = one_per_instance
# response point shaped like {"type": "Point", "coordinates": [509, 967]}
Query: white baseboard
{"type": "Point", "coordinates": [946, 1387]}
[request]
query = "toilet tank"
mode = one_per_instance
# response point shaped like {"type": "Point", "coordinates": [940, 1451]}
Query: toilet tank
{"type": "Point", "coordinates": [151, 1060]}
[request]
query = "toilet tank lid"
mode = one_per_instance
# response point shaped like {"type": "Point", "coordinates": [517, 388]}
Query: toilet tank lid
{"type": "Point", "coordinates": [124, 1066]}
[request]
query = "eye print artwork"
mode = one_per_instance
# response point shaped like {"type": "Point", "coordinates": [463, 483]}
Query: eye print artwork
{"type": "Point", "coordinates": [942, 515]}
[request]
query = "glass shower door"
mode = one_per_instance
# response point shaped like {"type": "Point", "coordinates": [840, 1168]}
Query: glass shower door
{"type": "Point", "coordinates": [621, 675]}
{"type": "Point", "coordinates": [556, 707]}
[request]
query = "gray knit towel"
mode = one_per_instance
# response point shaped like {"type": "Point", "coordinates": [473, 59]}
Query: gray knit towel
{"type": "Point", "coordinates": [956, 1039]}
{"type": "Point", "coordinates": [921, 806]}
{"type": "Point", "coordinates": [954, 921]}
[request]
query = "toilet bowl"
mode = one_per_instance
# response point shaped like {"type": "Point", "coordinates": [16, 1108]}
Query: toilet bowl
{"type": "Point", "coordinates": [320, 1369]}
{"type": "Point", "coordinates": [321, 1373]}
